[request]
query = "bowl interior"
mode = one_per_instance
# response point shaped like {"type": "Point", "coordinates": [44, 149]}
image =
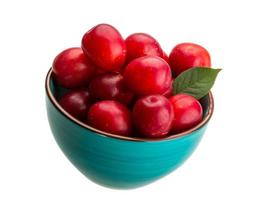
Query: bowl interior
{"type": "Point", "coordinates": [54, 92]}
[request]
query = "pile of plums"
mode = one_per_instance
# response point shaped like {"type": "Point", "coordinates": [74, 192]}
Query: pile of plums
{"type": "Point", "coordinates": [124, 87]}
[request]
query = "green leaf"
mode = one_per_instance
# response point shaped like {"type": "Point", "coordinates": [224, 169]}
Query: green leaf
{"type": "Point", "coordinates": [196, 81]}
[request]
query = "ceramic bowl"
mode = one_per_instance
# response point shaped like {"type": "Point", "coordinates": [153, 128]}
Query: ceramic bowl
{"type": "Point", "coordinates": [118, 161]}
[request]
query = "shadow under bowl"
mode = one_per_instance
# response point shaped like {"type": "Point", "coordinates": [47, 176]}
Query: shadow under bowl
{"type": "Point", "coordinates": [118, 161]}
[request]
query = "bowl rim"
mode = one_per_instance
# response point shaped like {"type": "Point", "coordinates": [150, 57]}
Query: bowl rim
{"type": "Point", "coordinates": [128, 138]}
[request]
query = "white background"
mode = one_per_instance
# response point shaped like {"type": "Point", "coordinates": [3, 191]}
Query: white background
{"type": "Point", "coordinates": [33, 32]}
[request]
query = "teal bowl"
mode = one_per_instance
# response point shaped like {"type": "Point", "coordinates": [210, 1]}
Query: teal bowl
{"type": "Point", "coordinates": [118, 161]}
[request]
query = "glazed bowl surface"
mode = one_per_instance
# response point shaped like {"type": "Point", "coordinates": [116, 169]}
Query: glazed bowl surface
{"type": "Point", "coordinates": [118, 161]}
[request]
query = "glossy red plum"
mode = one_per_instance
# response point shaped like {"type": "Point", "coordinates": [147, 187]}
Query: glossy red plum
{"type": "Point", "coordinates": [110, 116]}
{"type": "Point", "coordinates": [72, 68]}
{"type": "Point", "coordinates": [142, 44]}
{"type": "Point", "coordinates": [147, 75]}
{"type": "Point", "coordinates": [76, 103]}
{"type": "Point", "coordinates": [188, 112]}
{"type": "Point", "coordinates": [110, 86]}
{"type": "Point", "coordinates": [187, 55]}
{"type": "Point", "coordinates": [105, 46]}
{"type": "Point", "coordinates": [153, 116]}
